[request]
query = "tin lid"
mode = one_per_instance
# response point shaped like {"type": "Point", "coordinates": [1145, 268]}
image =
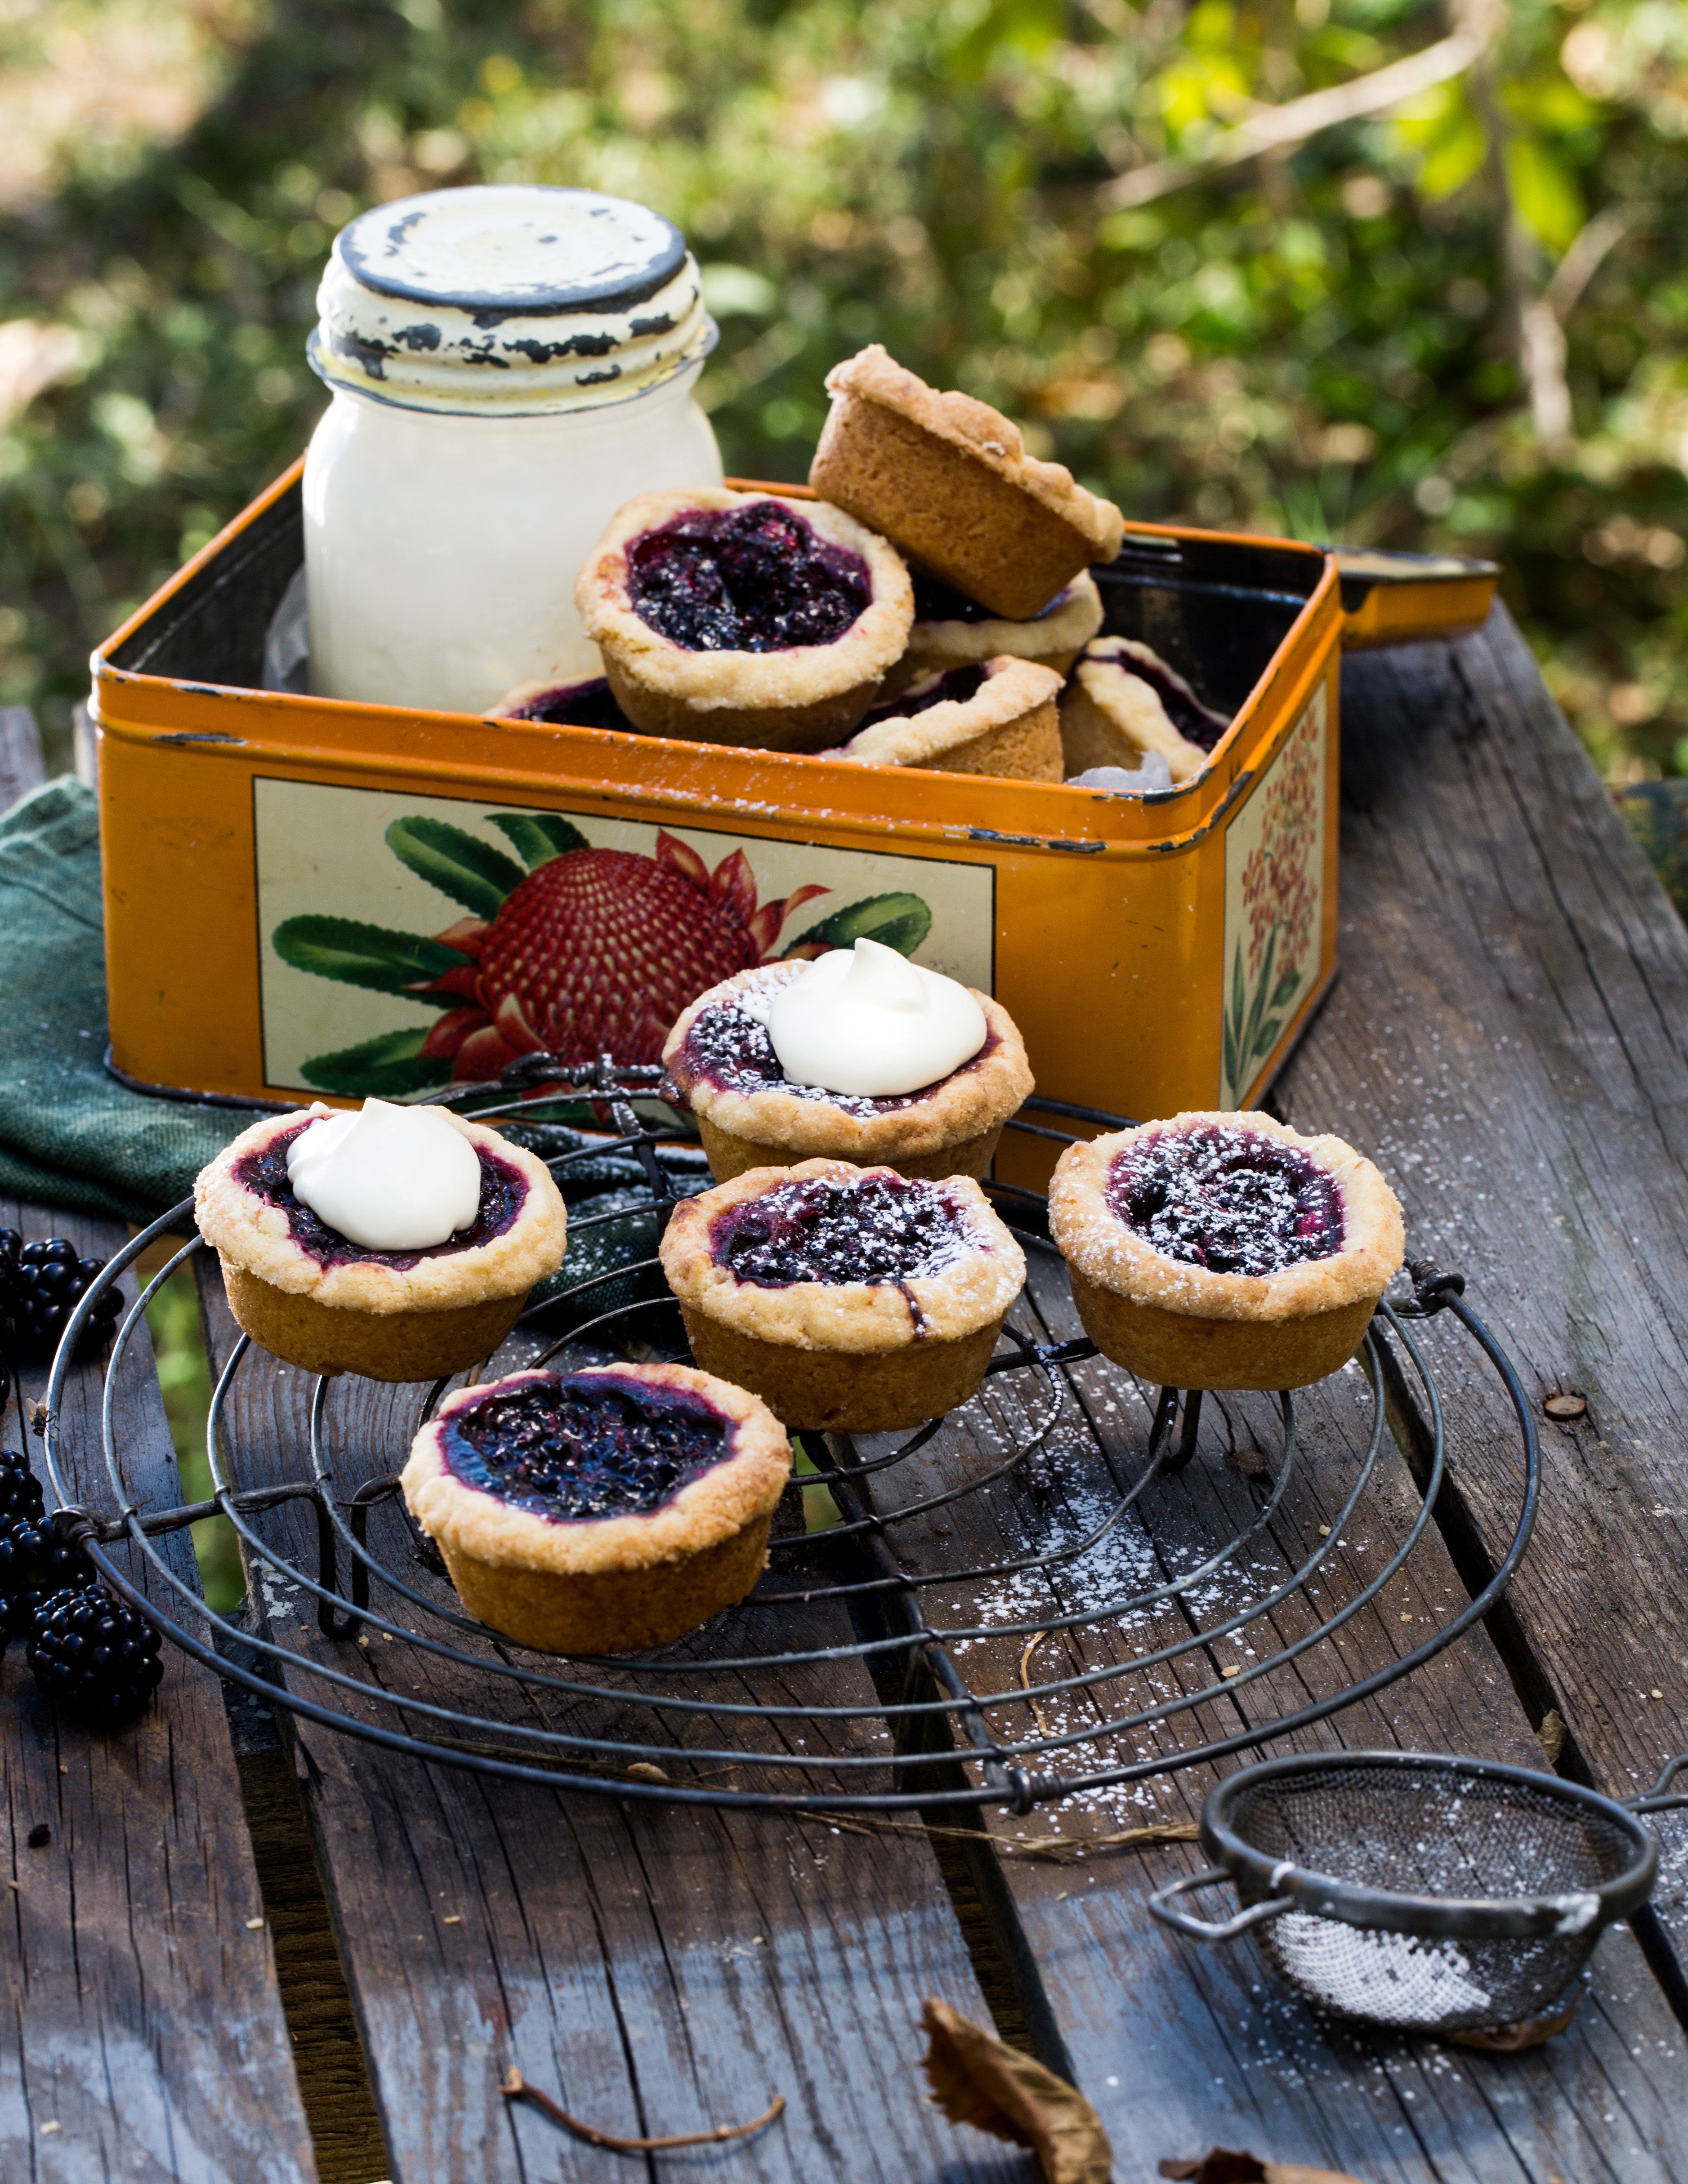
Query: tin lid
{"type": "Point", "coordinates": [508, 300]}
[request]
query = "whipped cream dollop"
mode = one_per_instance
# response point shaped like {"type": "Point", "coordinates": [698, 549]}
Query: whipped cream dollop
{"type": "Point", "coordinates": [865, 1020]}
{"type": "Point", "coordinates": [391, 1179]}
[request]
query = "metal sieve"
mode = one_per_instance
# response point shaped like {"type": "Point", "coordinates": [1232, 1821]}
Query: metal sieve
{"type": "Point", "coordinates": [1419, 1891]}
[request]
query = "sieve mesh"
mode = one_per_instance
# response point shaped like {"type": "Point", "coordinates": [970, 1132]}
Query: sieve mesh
{"type": "Point", "coordinates": [1429, 1832]}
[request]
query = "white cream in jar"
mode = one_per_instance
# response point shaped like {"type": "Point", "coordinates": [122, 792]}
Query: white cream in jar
{"type": "Point", "coordinates": [508, 365]}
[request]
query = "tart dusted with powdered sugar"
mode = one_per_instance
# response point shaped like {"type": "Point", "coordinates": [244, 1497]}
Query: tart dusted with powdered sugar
{"type": "Point", "coordinates": [756, 1106]}
{"type": "Point", "coordinates": [1225, 1250]}
{"type": "Point", "coordinates": [739, 618]}
{"type": "Point", "coordinates": [601, 1511]}
{"type": "Point", "coordinates": [856, 1299]}
{"type": "Point", "coordinates": [948, 480]}
{"type": "Point", "coordinates": [399, 1242]}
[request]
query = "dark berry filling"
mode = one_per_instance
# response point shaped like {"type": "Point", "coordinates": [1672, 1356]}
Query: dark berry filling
{"type": "Point", "coordinates": [879, 1228]}
{"type": "Point", "coordinates": [1220, 1196]}
{"type": "Point", "coordinates": [936, 602]}
{"type": "Point", "coordinates": [747, 579]}
{"type": "Point", "coordinates": [589, 704]}
{"type": "Point", "coordinates": [1192, 719]}
{"type": "Point", "coordinates": [503, 1192]}
{"type": "Point", "coordinates": [955, 686]}
{"type": "Point", "coordinates": [587, 1446]}
{"type": "Point", "coordinates": [730, 1049]}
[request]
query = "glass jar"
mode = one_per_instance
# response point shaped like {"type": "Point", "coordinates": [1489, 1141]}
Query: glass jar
{"type": "Point", "coordinates": [508, 366]}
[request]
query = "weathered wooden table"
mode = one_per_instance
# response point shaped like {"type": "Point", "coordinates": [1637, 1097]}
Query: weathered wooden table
{"type": "Point", "coordinates": [1509, 1038]}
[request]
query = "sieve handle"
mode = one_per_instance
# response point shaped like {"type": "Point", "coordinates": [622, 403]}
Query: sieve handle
{"type": "Point", "coordinates": [1204, 1929]}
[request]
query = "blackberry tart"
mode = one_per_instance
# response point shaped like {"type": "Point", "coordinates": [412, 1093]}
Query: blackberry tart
{"type": "Point", "coordinates": [948, 480]}
{"type": "Point", "coordinates": [953, 631]}
{"type": "Point", "coordinates": [736, 618]}
{"type": "Point", "coordinates": [853, 1299]}
{"type": "Point", "coordinates": [995, 716]}
{"type": "Point", "coordinates": [756, 1109]}
{"type": "Point", "coordinates": [399, 1242]}
{"type": "Point", "coordinates": [1225, 1250]}
{"type": "Point", "coordinates": [602, 1510]}
{"type": "Point", "coordinates": [1124, 700]}
{"type": "Point", "coordinates": [588, 704]}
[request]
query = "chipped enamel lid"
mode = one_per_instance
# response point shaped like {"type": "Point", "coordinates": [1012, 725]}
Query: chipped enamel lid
{"type": "Point", "coordinates": [508, 300]}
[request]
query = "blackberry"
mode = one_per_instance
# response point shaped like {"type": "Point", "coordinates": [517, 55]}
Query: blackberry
{"type": "Point", "coordinates": [41, 1285]}
{"type": "Point", "coordinates": [20, 1488]}
{"type": "Point", "coordinates": [35, 1562]}
{"type": "Point", "coordinates": [93, 1656]}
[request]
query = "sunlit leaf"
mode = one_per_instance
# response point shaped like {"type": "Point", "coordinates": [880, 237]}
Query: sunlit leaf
{"type": "Point", "coordinates": [1545, 190]}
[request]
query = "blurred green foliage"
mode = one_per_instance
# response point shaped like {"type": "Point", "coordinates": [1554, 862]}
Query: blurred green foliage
{"type": "Point", "coordinates": [1327, 340]}
{"type": "Point", "coordinates": [185, 1376]}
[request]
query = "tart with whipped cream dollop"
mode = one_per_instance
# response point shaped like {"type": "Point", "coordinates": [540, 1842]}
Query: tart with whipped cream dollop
{"type": "Point", "coordinates": [854, 1298]}
{"type": "Point", "coordinates": [994, 716]}
{"type": "Point", "coordinates": [1123, 700]}
{"type": "Point", "coordinates": [738, 618]}
{"type": "Point", "coordinates": [859, 1054]}
{"type": "Point", "coordinates": [1225, 1250]}
{"type": "Point", "coordinates": [953, 631]}
{"type": "Point", "coordinates": [397, 1242]}
{"type": "Point", "coordinates": [948, 480]}
{"type": "Point", "coordinates": [601, 1511]}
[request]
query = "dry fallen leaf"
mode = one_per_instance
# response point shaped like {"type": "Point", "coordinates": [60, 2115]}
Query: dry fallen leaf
{"type": "Point", "coordinates": [977, 2080]}
{"type": "Point", "coordinates": [1221, 2166]}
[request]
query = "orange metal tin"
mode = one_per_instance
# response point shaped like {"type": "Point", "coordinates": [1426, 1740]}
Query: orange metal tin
{"type": "Point", "coordinates": [1157, 953]}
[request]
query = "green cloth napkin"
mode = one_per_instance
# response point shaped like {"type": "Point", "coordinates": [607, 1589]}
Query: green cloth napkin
{"type": "Point", "coordinates": [70, 1134]}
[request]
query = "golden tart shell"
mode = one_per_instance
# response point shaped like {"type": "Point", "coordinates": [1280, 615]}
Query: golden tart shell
{"type": "Point", "coordinates": [801, 697]}
{"type": "Point", "coordinates": [963, 1114]}
{"type": "Point", "coordinates": [1010, 728]}
{"type": "Point", "coordinates": [1110, 716]}
{"type": "Point", "coordinates": [1187, 1327]}
{"type": "Point", "coordinates": [1053, 639]}
{"type": "Point", "coordinates": [845, 1357]}
{"type": "Point", "coordinates": [440, 1315]}
{"type": "Point", "coordinates": [608, 1584]}
{"type": "Point", "coordinates": [949, 479]}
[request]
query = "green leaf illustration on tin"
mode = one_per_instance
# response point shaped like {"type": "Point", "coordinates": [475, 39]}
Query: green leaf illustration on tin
{"type": "Point", "coordinates": [901, 921]}
{"type": "Point", "coordinates": [469, 871]}
{"type": "Point", "coordinates": [380, 1069]}
{"type": "Point", "coordinates": [1251, 1039]}
{"type": "Point", "coordinates": [536, 836]}
{"type": "Point", "coordinates": [359, 955]}
{"type": "Point", "coordinates": [1227, 1024]}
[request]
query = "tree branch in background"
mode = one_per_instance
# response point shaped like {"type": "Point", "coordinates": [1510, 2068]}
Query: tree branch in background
{"type": "Point", "coordinates": [1582, 260]}
{"type": "Point", "coordinates": [1276, 128]}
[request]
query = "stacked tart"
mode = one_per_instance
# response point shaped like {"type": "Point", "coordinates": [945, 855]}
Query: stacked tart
{"type": "Point", "coordinates": [602, 1510]}
{"type": "Point", "coordinates": [859, 1054]}
{"type": "Point", "coordinates": [399, 1242]}
{"type": "Point", "coordinates": [849, 1298]}
{"type": "Point", "coordinates": [995, 716]}
{"type": "Point", "coordinates": [1225, 1250]}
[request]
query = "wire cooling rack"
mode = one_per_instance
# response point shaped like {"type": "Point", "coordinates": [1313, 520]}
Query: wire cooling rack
{"type": "Point", "coordinates": [873, 1667]}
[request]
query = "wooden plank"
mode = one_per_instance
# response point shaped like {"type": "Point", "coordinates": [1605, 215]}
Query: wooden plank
{"type": "Point", "coordinates": [1510, 1040]}
{"type": "Point", "coordinates": [1181, 2048]}
{"type": "Point", "coordinates": [22, 766]}
{"type": "Point", "coordinates": [144, 2037]}
{"type": "Point", "coordinates": [658, 1970]}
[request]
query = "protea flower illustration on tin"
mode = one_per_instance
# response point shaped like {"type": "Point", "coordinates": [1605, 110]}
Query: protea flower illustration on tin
{"type": "Point", "coordinates": [577, 951]}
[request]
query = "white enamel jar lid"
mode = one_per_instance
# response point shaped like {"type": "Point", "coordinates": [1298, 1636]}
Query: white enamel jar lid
{"type": "Point", "coordinates": [508, 300]}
